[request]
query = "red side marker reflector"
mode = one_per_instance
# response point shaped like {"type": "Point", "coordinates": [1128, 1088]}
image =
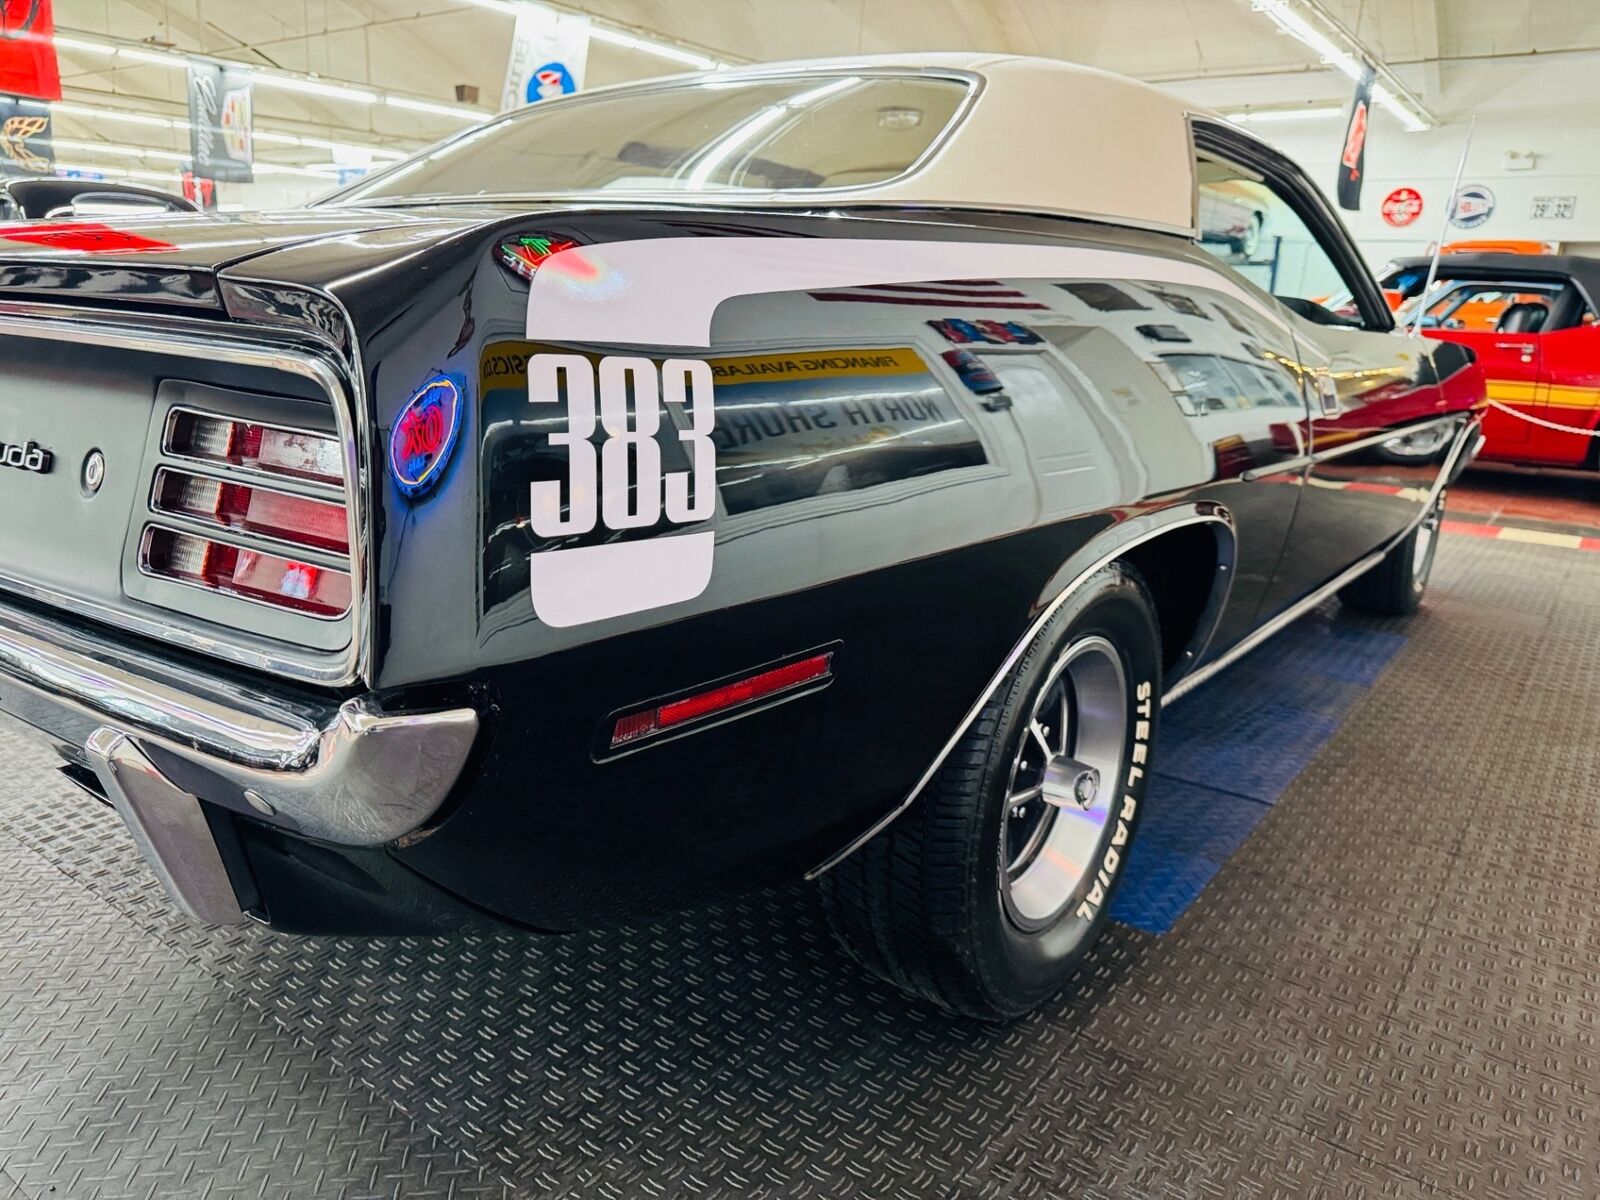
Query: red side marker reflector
{"type": "Point", "coordinates": [730, 696]}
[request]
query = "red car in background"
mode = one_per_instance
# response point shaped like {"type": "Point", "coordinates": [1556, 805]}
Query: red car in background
{"type": "Point", "coordinates": [1531, 320]}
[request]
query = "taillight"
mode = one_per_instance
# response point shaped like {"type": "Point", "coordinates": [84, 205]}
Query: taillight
{"type": "Point", "coordinates": [253, 509]}
{"type": "Point", "coordinates": [292, 452]}
{"type": "Point", "coordinates": [722, 700]}
{"type": "Point", "coordinates": [251, 574]}
{"type": "Point", "coordinates": [262, 514]}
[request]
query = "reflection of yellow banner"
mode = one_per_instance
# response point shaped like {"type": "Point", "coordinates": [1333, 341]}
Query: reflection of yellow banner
{"type": "Point", "coordinates": [505, 364]}
{"type": "Point", "coordinates": [817, 364]}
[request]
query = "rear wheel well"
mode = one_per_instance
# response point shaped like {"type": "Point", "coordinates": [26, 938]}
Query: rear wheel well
{"type": "Point", "coordinates": [1186, 574]}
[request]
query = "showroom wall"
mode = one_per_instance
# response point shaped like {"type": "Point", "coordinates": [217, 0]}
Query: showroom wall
{"type": "Point", "coordinates": [1548, 105]}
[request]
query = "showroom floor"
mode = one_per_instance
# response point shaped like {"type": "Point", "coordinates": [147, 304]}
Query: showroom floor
{"type": "Point", "coordinates": [1392, 987]}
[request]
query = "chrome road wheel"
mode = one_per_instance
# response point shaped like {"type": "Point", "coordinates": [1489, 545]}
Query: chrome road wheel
{"type": "Point", "coordinates": [1063, 783]}
{"type": "Point", "coordinates": [1421, 445]}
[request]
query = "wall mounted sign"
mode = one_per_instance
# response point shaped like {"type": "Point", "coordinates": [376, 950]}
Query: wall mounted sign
{"type": "Point", "coordinates": [1474, 204]}
{"type": "Point", "coordinates": [1554, 208]}
{"type": "Point", "coordinates": [1401, 207]}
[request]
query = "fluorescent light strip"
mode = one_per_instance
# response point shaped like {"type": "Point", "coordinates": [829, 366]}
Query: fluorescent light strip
{"type": "Point", "coordinates": [314, 87]}
{"type": "Point", "coordinates": [267, 77]}
{"type": "Point", "coordinates": [100, 115]}
{"type": "Point", "coordinates": [614, 35]}
{"type": "Point", "coordinates": [1284, 114]}
{"type": "Point", "coordinates": [617, 37]}
{"type": "Point", "coordinates": [439, 110]}
{"type": "Point", "coordinates": [1286, 18]}
{"type": "Point", "coordinates": [118, 150]}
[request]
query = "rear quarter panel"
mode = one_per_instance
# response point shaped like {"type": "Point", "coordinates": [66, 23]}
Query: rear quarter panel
{"type": "Point", "coordinates": [899, 516]}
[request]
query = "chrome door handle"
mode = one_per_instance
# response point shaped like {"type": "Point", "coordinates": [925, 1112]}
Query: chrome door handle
{"type": "Point", "coordinates": [1328, 395]}
{"type": "Point", "coordinates": [1527, 348]}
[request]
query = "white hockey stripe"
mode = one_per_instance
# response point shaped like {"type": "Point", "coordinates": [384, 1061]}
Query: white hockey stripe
{"type": "Point", "coordinates": [665, 291]}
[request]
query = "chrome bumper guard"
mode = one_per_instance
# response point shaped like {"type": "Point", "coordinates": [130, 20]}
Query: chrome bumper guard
{"type": "Point", "coordinates": [159, 739]}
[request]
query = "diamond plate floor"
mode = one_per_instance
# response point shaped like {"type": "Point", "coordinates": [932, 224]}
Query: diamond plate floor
{"type": "Point", "coordinates": [1392, 989]}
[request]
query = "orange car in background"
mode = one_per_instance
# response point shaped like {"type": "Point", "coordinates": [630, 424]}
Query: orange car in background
{"type": "Point", "coordinates": [1531, 321]}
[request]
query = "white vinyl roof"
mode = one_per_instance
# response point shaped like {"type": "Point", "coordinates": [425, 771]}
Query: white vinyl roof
{"type": "Point", "coordinates": [1036, 135]}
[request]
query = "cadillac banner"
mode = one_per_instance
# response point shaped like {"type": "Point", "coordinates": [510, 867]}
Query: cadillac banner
{"type": "Point", "coordinates": [25, 147]}
{"type": "Point", "coordinates": [219, 122]}
{"type": "Point", "coordinates": [28, 64]}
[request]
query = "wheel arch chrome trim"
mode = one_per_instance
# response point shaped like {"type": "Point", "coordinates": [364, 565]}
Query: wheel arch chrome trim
{"type": "Point", "coordinates": [1468, 433]}
{"type": "Point", "coordinates": [1102, 550]}
{"type": "Point", "coordinates": [204, 338]}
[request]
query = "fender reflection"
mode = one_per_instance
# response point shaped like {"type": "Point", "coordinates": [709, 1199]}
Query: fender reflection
{"type": "Point", "coordinates": [665, 291]}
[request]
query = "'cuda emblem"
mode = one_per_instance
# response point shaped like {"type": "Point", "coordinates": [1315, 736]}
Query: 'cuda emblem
{"type": "Point", "coordinates": [31, 457]}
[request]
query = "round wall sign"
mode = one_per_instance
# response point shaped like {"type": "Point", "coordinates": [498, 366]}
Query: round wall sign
{"type": "Point", "coordinates": [1401, 206]}
{"type": "Point", "coordinates": [1473, 206]}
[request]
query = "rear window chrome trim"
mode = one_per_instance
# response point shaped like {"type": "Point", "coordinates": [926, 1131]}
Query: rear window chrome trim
{"type": "Point", "coordinates": [208, 339]}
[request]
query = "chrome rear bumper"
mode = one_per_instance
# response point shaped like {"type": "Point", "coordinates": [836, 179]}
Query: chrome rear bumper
{"type": "Point", "coordinates": [159, 739]}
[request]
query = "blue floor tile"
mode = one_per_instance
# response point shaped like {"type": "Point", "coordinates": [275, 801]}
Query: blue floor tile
{"type": "Point", "coordinates": [1232, 748]}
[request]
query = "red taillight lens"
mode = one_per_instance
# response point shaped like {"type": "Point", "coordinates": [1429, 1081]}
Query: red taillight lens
{"type": "Point", "coordinates": [725, 698]}
{"type": "Point", "coordinates": [267, 578]}
{"type": "Point", "coordinates": [267, 448]}
{"type": "Point", "coordinates": [253, 509]}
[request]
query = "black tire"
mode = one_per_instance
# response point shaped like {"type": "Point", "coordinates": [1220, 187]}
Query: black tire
{"type": "Point", "coordinates": [930, 905]}
{"type": "Point", "coordinates": [1395, 586]}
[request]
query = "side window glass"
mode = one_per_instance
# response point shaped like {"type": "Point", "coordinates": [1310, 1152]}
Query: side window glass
{"type": "Point", "coordinates": [1247, 226]}
{"type": "Point", "coordinates": [1482, 307]}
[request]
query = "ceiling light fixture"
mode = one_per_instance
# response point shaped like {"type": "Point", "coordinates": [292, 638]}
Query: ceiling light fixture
{"type": "Point", "coordinates": [1350, 57]}
{"type": "Point", "coordinates": [615, 35]}
{"type": "Point", "coordinates": [1272, 115]}
{"type": "Point", "coordinates": [457, 111]}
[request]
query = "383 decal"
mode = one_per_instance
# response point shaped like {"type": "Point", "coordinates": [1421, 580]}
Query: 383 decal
{"type": "Point", "coordinates": [625, 477]}
{"type": "Point", "coordinates": [620, 485]}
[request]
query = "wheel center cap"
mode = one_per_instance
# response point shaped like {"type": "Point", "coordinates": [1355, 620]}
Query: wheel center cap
{"type": "Point", "coordinates": [1070, 782]}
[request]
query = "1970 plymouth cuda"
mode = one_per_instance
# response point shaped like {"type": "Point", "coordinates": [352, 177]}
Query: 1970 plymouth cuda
{"type": "Point", "coordinates": [820, 470]}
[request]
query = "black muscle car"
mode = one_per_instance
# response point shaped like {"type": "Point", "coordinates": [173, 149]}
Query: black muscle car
{"type": "Point", "coordinates": [821, 470]}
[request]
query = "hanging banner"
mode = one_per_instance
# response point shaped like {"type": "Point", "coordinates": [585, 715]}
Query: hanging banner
{"type": "Point", "coordinates": [1353, 160]}
{"type": "Point", "coordinates": [219, 122]}
{"type": "Point", "coordinates": [548, 53]}
{"type": "Point", "coordinates": [25, 147]}
{"type": "Point", "coordinates": [28, 64]}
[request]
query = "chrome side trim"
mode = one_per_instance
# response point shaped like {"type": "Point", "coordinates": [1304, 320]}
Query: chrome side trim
{"type": "Point", "coordinates": [1288, 616]}
{"type": "Point", "coordinates": [190, 337]}
{"type": "Point", "coordinates": [1298, 463]}
{"type": "Point", "coordinates": [351, 774]}
{"type": "Point", "coordinates": [169, 828]}
{"type": "Point", "coordinates": [1220, 517]}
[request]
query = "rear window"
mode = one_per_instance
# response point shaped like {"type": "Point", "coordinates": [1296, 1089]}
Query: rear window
{"type": "Point", "coordinates": [798, 133]}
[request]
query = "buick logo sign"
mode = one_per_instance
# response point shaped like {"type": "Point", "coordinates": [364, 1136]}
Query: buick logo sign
{"type": "Point", "coordinates": [29, 457]}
